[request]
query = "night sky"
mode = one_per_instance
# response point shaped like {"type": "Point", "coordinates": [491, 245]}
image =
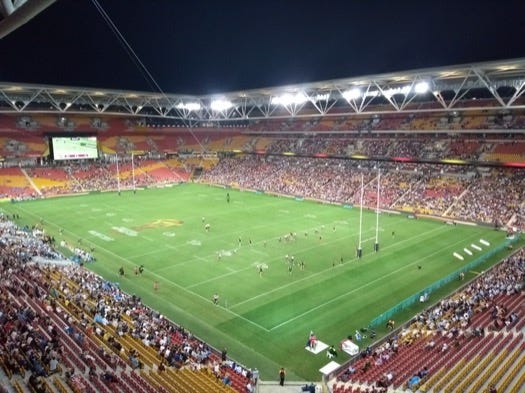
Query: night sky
{"type": "Point", "coordinates": [210, 46]}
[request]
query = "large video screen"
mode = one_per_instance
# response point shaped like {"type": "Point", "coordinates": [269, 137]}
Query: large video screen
{"type": "Point", "coordinates": [74, 147]}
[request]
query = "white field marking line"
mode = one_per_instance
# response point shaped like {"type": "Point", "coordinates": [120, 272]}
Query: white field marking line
{"type": "Point", "coordinates": [232, 271]}
{"type": "Point", "coordinates": [258, 251]}
{"type": "Point", "coordinates": [200, 258]}
{"type": "Point", "coordinates": [162, 278]}
{"type": "Point", "coordinates": [226, 212]}
{"type": "Point", "coordinates": [322, 271]}
{"type": "Point", "coordinates": [359, 288]}
{"type": "Point", "coordinates": [293, 219]}
{"type": "Point", "coordinates": [149, 239]}
{"type": "Point", "coordinates": [311, 230]}
{"type": "Point", "coordinates": [277, 258]}
{"type": "Point", "coordinates": [329, 269]}
{"type": "Point", "coordinates": [158, 250]}
{"type": "Point", "coordinates": [112, 207]}
{"type": "Point", "coordinates": [145, 254]}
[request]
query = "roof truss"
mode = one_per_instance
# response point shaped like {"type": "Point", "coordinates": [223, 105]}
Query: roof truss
{"type": "Point", "coordinates": [450, 89]}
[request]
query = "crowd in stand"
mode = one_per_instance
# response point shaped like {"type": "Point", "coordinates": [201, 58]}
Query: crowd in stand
{"type": "Point", "coordinates": [89, 176]}
{"type": "Point", "coordinates": [415, 147]}
{"type": "Point", "coordinates": [96, 308]}
{"type": "Point", "coordinates": [432, 195]}
{"type": "Point", "coordinates": [477, 121]}
{"type": "Point", "coordinates": [493, 197]}
{"type": "Point", "coordinates": [450, 319]}
{"type": "Point", "coordinates": [23, 347]}
{"type": "Point", "coordinates": [489, 197]}
{"type": "Point", "coordinates": [459, 192]}
{"type": "Point", "coordinates": [452, 316]}
{"type": "Point", "coordinates": [25, 243]}
{"type": "Point", "coordinates": [323, 179]}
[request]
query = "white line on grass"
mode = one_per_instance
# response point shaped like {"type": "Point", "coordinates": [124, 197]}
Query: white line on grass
{"type": "Point", "coordinates": [145, 254]}
{"type": "Point", "coordinates": [260, 252]}
{"type": "Point", "coordinates": [358, 289]}
{"type": "Point", "coordinates": [189, 261]}
{"type": "Point", "coordinates": [112, 207]}
{"type": "Point", "coordinates": [232, 271]}
{"type": "Point", "coordinates": [324, 271]}
{"type": "Point", "coordinates": [277, 258]}
{"type": "Point", "coordinates": [258, 296]}
{"type": "Point", "coordinates": [160, 278]}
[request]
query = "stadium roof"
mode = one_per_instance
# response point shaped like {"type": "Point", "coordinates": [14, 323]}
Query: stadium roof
{"type": "Point", "coordinates": [496, 85]}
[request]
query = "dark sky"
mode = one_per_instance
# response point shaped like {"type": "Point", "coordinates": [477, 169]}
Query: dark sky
{"type": "Point", "coordinates": [209, 46]}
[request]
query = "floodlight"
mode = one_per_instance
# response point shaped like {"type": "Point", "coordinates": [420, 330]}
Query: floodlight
{"type": "Point", "coordinates": [289, 99]}
{"type": "Point", "coordinates": [352, 94]}
{"type": "Point", "coordinates": [284, 100]}
{"type": "Point", "coordinates": [398, 90]}
{"type": "Point", "coordinates": [421, 87]}
{"type": "Point", "coordinates": [189, 106]}
{"type": "Point", "coordinates": [300, 98]}
{"type": "Point", "coordinates": [220, 105]}
{"type": "Point", "coordinates": [322, 97]}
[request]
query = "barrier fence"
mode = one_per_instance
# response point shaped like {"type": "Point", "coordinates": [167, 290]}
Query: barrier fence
{"type": "Point", "coordinates": [382, 318]}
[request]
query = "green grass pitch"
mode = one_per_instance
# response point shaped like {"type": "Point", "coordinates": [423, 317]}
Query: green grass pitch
{"type": "Point", "coordinates": [262, 318]}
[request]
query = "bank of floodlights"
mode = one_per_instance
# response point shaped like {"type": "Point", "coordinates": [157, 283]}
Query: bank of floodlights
{"type": "Point", "coordinates": [288, 99]}
{"type": "Point", "coordinates": [405, 90]}
{"type": "Point", "coordinates": [189, 106]}
{"type": "Point", "coordinates": [356, 93]}
{"type": "Point", "coordinates": [220, 105]}
{"type": "Point", "coordinates": [352, 94]}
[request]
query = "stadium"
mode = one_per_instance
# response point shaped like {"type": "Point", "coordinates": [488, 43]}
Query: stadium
{"type": "Point", "coordinates": [360, 234]}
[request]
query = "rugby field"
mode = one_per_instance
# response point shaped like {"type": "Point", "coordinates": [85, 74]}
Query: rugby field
{"type": "Point", "coordinates": [251, 256]}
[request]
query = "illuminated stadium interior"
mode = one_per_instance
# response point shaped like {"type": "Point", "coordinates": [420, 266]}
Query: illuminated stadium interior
{"type": "Point", "coordinates": [447, 143]}
{"type": "Point", "coordinates": [435, 155]}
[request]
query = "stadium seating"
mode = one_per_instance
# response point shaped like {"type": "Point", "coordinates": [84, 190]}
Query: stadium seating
{"type": "Point", "coordinates": [54, 301]}
{"type": "Point", "coordinates": [455, 359]}
{"type": "Point", "coordinates": [489, 196]}
{"type": "Point", "coordinates": [14, 184]}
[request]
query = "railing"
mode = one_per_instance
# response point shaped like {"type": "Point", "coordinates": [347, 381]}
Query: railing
{"type": "Point", "coordinates": [382, 318]}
